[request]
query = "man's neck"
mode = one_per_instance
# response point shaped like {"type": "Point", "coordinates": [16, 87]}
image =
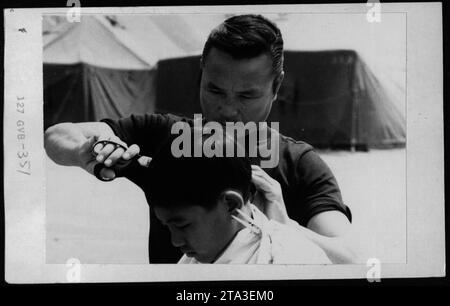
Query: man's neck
{"type": "Point", "coordinates": [246, 210]}
{"type": "Point", "coordinates": [226, 246]}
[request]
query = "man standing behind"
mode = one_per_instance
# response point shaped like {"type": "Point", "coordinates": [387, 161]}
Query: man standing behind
{"type": "Point", "coordinates": [242, 70]}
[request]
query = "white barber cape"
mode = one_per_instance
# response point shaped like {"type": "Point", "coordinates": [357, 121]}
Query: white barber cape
{"type": "Point", "coordinates": [265, 241]}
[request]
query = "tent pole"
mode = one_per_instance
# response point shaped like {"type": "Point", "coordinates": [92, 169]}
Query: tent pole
{"type": "Point", "coordinates": [355, 105]}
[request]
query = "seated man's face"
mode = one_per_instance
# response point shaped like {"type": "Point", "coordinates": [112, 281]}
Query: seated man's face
{"type": "Point", "coordinates": [198, 232]}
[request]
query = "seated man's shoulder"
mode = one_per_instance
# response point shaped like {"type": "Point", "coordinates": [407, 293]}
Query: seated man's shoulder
{"type": "Point", "coordinates": [291, 246]}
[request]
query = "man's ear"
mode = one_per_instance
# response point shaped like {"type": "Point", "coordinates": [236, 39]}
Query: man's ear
{"type": "Point", "coordinates": [277, 84]}
{"type": "Point", "coordinates": [231, 200]}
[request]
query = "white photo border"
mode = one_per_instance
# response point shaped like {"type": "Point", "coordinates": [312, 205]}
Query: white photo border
{"type": "Point", "coordinates": [25, 191]}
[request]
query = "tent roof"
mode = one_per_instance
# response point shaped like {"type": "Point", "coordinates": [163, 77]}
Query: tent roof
{"type": "Point", "coordinates": [89, 41]}
{"type": "Point", "coordinates": [123, 42]}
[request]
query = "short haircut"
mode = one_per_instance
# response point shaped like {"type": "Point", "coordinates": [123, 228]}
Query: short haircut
{"type": "Point", "coordinates": [188, 181]}
{"type": "Point", "coordinates": [247, 36]}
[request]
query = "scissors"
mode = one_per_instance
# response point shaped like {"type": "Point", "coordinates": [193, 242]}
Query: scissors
{"type": "Point", "coordinates": [121, 164]}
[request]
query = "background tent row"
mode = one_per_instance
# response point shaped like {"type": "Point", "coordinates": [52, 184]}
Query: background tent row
{"type": "Point", "coordinates": [93, 70]}
{"type": "Point", "coordinates": [328, 99]}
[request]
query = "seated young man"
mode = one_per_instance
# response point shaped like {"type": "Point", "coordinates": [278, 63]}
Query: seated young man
{"type": "Point", "coordinates": [206, 202]}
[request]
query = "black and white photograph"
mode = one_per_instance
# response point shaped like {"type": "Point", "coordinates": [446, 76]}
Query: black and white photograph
{"type": "Point", "coordinates": [224, 143]}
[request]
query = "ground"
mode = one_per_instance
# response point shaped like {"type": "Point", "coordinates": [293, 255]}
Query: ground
{"type": "Point", "coordinates": [98, 222]}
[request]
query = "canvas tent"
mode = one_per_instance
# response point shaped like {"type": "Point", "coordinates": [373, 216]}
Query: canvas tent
{"type": "Point", "coordinates": [90, 74]}
{"type": "Point", "coordinates": [104, 66]}
{"type": "Point", "coordinates": [329, 99]}
{"type": "Point", "coordinates": [332, 99]}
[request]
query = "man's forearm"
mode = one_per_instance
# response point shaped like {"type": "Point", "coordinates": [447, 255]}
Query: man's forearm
{"type": "Point", "coordinates": [340, 250]}
{"type": "Point", "coordinates": [64, 141]}
{"type": "Point", "coordinates": [61, 143]}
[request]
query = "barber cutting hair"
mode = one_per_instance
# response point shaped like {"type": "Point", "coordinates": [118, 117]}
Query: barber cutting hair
{"type": "Point", "coordinates": [241, 73]}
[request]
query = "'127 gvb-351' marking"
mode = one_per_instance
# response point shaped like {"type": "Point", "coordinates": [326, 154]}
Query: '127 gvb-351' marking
{"type": "Point", "coordinates": [22, 152]}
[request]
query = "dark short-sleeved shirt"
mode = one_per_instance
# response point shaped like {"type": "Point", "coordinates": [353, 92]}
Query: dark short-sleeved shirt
{"type": "Point", "coordinates": [307, 183]}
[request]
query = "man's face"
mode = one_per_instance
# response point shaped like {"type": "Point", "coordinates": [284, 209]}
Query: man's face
{"type": "Point", "coordinates": [234, 90]}
{"type": "Point", "coordinates": [198, 232]}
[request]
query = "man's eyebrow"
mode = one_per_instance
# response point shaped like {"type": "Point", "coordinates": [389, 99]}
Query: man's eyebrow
{"type": "Point", "coordinates": [212, 85]}
{"type": "Point", "coordinates": [250, 91]}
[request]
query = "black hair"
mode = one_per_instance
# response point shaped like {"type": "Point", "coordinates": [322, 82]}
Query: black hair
{"type": "Point", "coordinates": [247, 36]}
{"type": "Point", "coordinates": [186, 181]}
